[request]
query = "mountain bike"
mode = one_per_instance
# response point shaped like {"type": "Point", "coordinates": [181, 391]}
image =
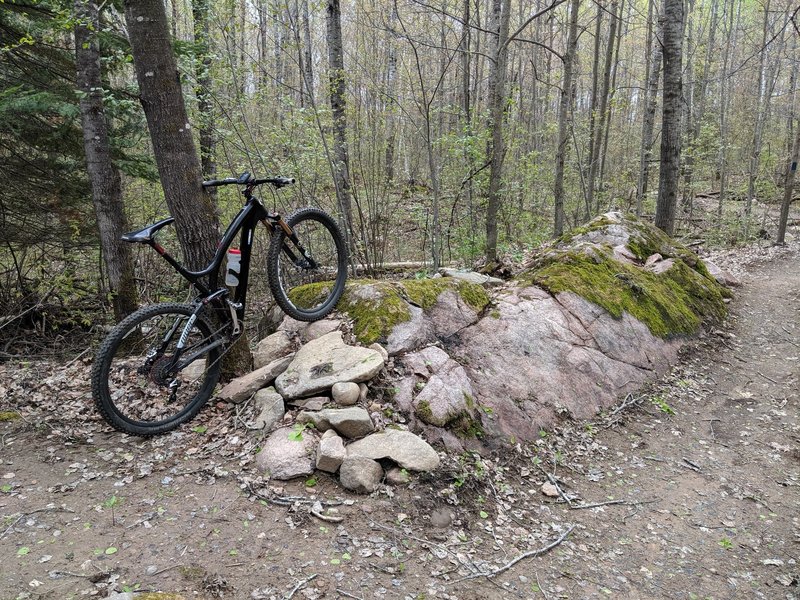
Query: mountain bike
{"type": "Point", "coordinates": [157, 368]}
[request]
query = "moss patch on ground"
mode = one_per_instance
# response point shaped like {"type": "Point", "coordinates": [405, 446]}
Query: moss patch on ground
{"type": "Point", "coordinates": [376, 307]}
{"type": "Point", "coordinates": [671, 303]}
{"type": "Point", "coordinates": [9, 415]}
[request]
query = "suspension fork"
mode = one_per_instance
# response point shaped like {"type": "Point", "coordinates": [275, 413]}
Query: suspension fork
{"type": "Point", "coordinates": [290, 234]}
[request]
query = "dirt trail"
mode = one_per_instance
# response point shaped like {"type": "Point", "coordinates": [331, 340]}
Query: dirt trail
{"type": "Point", "coordinates": [700, 480]}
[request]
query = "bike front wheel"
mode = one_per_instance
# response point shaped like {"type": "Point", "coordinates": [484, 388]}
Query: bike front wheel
{"type": "Point", "coordinates": [307, 270]}
{"type": "Point", "coordinates": [144, 380]}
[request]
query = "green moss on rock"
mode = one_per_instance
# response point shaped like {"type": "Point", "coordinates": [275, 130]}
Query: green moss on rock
{"type": "Point", "coordinates": [9, 415]}
{"type": "Point", "coordinates": [473, 294]}
{"type": "Point", "coordinates": [672, 302]}
{"type": "Point", "coordinates": [424, 292]}
{"type": "Point", "coordinates": [376, 307]}
{"type": "Point", "coordinates": [467, 428]}
{"type": "Point", "coordinates": [423, 411]}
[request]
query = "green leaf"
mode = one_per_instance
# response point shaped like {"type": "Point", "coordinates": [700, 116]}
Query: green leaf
{"type": "Point", "coordinates": [200, 429]}
{"type": "Point", "coordinates": [111, 550]}
{"type": "Point", "coordinates": [335, 561]}
{"type": "Point", "coordinates": [346, 556]}
{"type": "Point", "coordinates": [311, 482]}
{"type": "Point", "coordinates": [297, 433]}
{"type": "Point", "coordinates": [233, 552]}
{"type": "Point", "coordinates": [484, 514]}
{"type": "Point", "coordinates": [6, 488]}
{"type": "Point", "coordinates": [23, 551]}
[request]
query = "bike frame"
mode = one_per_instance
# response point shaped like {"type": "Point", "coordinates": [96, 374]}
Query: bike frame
{"type": "Point", "coordinates": [246, 222]}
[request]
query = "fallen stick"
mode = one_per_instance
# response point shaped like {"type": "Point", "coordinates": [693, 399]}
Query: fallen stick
{"type": "Point", "coordinates": [326, 518]}
{"type": "Point", "coordinates": [298, 586]}
{"type": "Point", "coordinates": [507, 566]}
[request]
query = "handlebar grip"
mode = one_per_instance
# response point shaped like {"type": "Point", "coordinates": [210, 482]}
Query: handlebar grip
{"type": "Point", "coordinates": [218, 182]}
{"type": "Point", "coordinates": [284, 180]}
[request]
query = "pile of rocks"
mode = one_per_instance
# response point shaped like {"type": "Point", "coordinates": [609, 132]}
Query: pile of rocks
{"type": "Point", "coordinates": [324, 386]}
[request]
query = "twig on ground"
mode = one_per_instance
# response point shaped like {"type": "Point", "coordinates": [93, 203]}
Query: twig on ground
{"type": "Point", "coordinates": [427, 542]}
{"type": "Point", "coordinates": [326, 518]}
{"type": "Point", "coordinates": [612, 502]}
{"type": "Point", "coordinates": [768, 378]}
{"type": "Point", "coordinates": [165, 569]}
{"type": "Point", "coordinates": [290, 500]}
{"type": "Point", "coordinates": [553, 480]}
{"type": "Point", "coordinates": [541, 589]}
{"type": "Point", "coordinates": [348, 595]}
{"type": "Point", "coordinates": [757, 500]}
{"type": "Point", "coordinates": [523, 556]}
{"type": "Point", "coordinates": [77, 357]}
{"type": "Point", "coordinates": [654, 458]}
{"type": "Point", "coordinates": [692, 465]}
{"type": "Point", "coordinates": [299, 585]}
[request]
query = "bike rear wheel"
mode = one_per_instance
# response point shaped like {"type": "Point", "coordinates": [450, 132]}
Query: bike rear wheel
{"type": "Point", "coordinates": [139, 385]}
{"type": "Point", "coordinates": [307, 274]}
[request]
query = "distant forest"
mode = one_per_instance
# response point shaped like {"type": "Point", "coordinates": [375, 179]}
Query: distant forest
{"type": "Point", "coordinates": [437, 131]}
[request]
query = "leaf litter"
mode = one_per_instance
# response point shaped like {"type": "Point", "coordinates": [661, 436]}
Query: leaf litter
{"type": "Point", "coordinates": [688, 489]}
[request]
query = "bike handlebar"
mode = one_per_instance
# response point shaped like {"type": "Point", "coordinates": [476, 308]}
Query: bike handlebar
{"type": "Point", "coordinates": [250, 181]}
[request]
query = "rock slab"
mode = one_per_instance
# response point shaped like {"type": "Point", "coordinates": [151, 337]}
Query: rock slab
{"type": "Point", "coordinates": [325, 361]}
{"type": "Point", "coordinates": [269, 408]}
{"type": "Point", "coordinates": [271, 348]}
{"type": "Point", "coordinates": [403, 447]}
{"type": "Point", "coordinates": [241, 388]}
{"type": "Point", "coordinates": [331, 452]}
{"type": "Point", "coordinates": [352, 422]}
{"type": "Point", "coordinates": [284, 457]}
{"type": "Point", "coordinates": [360, 474]}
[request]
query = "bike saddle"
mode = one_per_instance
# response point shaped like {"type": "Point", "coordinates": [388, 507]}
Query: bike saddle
{"type": "Point", "coordinates": [145, 234]}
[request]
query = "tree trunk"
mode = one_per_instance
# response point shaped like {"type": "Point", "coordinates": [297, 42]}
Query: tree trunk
{"type": "Point", "coordinates": [648, 122]}
{"type": "Point", "coordinates": [788, 189]}
{"type": "Point", "coordinates": [698, 112]}
{"type": "Point", "coordinates": [337, 89]}
{"type": "Point", "coordinates": [501, 14]}
{"type": "Point", "coordinates": [724, 96]}
{"type": "Point", "coordinates": [308, 65]}
{"type": "Point", "coordinates": [162, 99]}
{"type": "Point", "coordinates": [563, 117]}
{"type": "Point", "coordinates": [594, 159]}
{"type": "Point", "coordinates": [761, 109]}
{"type": "Point", "coordinates": [391, 102]}
{"type": "Point", "coordinates": [671, 116]}
{"type": "Point", "coordinates": [593, 108]}
{"type": "Point", "coordinates": [466, 111]}
{"type": "Point", "coordinates": [208, 142]}
{"type": "Point", "coordinates": [104, 177]}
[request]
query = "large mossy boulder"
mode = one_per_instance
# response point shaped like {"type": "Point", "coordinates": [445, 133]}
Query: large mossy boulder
{"type": "Point", "coordinates": [593, 317]}
{"type": "Point", "coordinates": [625, 265]}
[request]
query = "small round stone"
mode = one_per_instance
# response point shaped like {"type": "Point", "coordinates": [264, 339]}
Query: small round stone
{"type": "Point", "coordinates": [345, 394]}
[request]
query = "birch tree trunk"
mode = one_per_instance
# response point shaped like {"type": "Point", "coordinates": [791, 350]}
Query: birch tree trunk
{"type": "Point", "coordinates": [104, 177]}
{"type": "Point", "coordinates": [208, 142]}
{"type": "Point", "coordinates": [671, 116]}
{"type": "Point", "coordinates": [337, 90]}
{"type": "Point", "coordinates": [501, 14]}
